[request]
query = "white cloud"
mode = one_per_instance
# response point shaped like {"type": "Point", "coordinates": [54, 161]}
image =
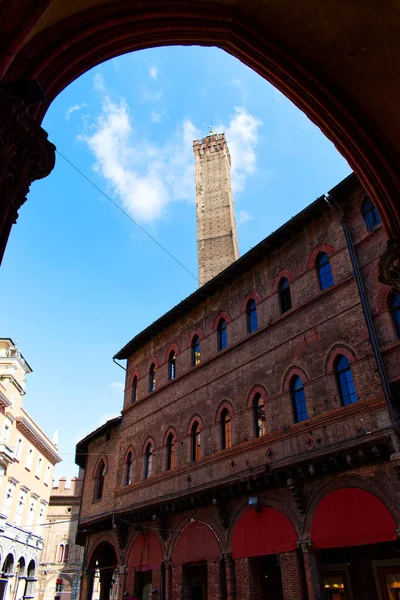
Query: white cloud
{"type": "Point", "coordinates": [117, 385]}
{"type": "Point", "coordinates": [149, 95]}
{"type": "Point", "coordinates": [155, 116]}
{"type": "Point", "coordinates": [99, 83]}
{"type": "Point", "coordinates": [153, 72]}
{"type": "Point", "coordinates": [74, 108]}
{"type": "Point", "coordinates": [242, 137]}
{"type": "Point", "coordinates": [144, 176]}
{"type": "Point", "coordinates": [243, 217]}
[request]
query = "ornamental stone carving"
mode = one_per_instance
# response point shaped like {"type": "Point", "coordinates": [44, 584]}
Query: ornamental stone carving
{"type": "Point", "coordinates": [389, 265]}
{"type": "Point", "coordinates": [25, 155]}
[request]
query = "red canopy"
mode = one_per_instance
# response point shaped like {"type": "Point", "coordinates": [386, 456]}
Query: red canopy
{"type": "Point", "coordinates": [196, 542]}
{"type": "Point", "coordinates": [351, 517]}
{"type": "Point", "coordinates": [146, 553]}
{"type": "Point", "coordinates": [259, 533]}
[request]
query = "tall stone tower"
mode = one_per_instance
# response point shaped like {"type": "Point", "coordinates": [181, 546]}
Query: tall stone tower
{"type": "Point", "coordinates": [217, 244]}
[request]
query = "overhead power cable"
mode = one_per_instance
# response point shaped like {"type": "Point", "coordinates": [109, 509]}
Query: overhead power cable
{"type": "Point", "coordinates": [126, 214]}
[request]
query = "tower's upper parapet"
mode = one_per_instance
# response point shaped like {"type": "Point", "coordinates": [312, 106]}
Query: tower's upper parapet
{"type": "Point", "coordinates": [217, 243]}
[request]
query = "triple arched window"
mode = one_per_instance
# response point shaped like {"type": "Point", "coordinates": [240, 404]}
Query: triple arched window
{"type": "Point", "coordinates": [195, 348]}
{"type": "Point", "coordinates": [152, 377]}
{"type": "Point", "coordinates": [298, 400]}
{"type": "Point", "coordinates": [226, 429]}
{"type": "Point", "coordinates": [285, 300]}
{"type": "Point", "coordinates": [251, 314]}
{"type": "Point", "coordinates": [148, 460]}
{"type": "Point", "coordinates": [394, 305]}
{"type": "Point", "coordinates": [128, 468]}
{"type": "Point", "coordinates": [195, 441]}
{"type": "Point", "coordinates": [172, 365]}
{"type": "Point", "coordinates": [99, 480]}
{"type": "Point", "coordinates": [170, 452]}
{"type": "Point", "coordinates": [370, 214]}
{"type": "Point", "coordinates": [259, 416]}
{"type": "Point", "coordinates": [222, 335]}
{"type": "Point", "coordinates": [345, 380]}
{"type": "Point", "coordinates": [324, 270]}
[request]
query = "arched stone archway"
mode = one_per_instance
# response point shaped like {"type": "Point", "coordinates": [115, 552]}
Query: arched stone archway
{"type": "Point", "coordinates": [55, 44]}
{"type": "Point", "coordinates": [101, 564]}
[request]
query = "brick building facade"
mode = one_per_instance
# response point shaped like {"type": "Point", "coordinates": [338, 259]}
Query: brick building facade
{"type": "Point", "coordinates": [257, 452]}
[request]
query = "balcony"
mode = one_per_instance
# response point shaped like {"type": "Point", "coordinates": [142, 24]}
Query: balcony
{"type": "Point", "coordinates": [7, 454]}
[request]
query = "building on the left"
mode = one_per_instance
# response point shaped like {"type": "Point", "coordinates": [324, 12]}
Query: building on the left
{"type": "Point", "coordinates": [27, 460]}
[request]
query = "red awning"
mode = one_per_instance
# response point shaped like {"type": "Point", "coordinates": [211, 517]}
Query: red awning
{"type": "Point", "coordinates": [351, 517]}
{"type": "Point", "coordinates": [261, 533]}
{"type": "Point", "coordinates": [197, 542]}
{"type": "Point", "coordinates": [146, 553]}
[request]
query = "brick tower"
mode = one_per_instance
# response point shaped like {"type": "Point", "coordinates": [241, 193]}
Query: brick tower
{"type": "Point", "coordinates": [217, 243]}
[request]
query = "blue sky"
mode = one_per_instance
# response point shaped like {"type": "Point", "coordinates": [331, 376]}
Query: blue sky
{"type": "Point", "coordinates": [80, 278]}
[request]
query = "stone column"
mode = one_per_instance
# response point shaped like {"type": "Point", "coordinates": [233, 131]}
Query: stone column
{"type": "Point", "coordinates": [106, 576]}
{"type": "Point", "coordinates": [177, 582]}
{"type": "Point", "coordinates": [87, 584]}
{"type": "Point", "coordinates": [230, 577]}
{"type": "Point", "coordinates": [213, 579]}
{"type": "Point", "coordinates": [123, 580]}
{"type": "Point", "coordinates": [156, 583]}
{"type": "Point", "coordinates": [168, 580]}
{"type": "Point", "coordinates": [26, 155]}
{"type": "Point", "coordinates": [312, 571]}
{"type": "Point", "coordinates": [292, 573]}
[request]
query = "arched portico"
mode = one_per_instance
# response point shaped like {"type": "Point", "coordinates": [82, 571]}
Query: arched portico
{"type": "Point", "coordinates": [101, 564]}
{"type": "Point", "coordinates": [52, 42]}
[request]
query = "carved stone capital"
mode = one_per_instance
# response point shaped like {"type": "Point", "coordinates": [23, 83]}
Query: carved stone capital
{"type": "Point", "coordinates": [389, 265]}
{"type": "Point", "coordinates": [25, 155]}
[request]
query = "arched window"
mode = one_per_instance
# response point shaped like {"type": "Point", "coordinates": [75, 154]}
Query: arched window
{"type": "Point", "coordinates": [345, 381]}
{"type": "Point", "coordinates": [299, 400]}
{"type": "Point", "coordinates": [152, 378]}
{"type": "Point", "coordinates": [128, 468]}
{"type": "Point", "coordinates": [148, 460]}
{"type": "Point", "coordinates": [134, 390]}
{"type": "Point", "coordinates": [170, 452]}
{"type": "Point", "coordinates": [394, 304]}
{"type": "Point", "coordinates": [285, 299]}
{"type": "Point", "coordinates": [172, 365]}
{"type": "Point", "coordinates": [66, 552]}
{"type": "Point", "coordinates": [60, 554]}
{"type": "Point", "coordinates": [370, 214]}
{"type": "Point", "coordinates": [99, 480]}
{"type": "Point", "coordinates": [324, 271]}
{"type": "Point", "coordinates": [195, 441]}
{"type": "Point", "coordinates": [259, 415]}
{"type": "Point", "coordinates": [251, 313]}
{"type": "Point", "coordinates": [226, 429]}
{"type": "Point", "coordinates": [195, 345]}
{"type": "Point", "coordinates": [222, 335]}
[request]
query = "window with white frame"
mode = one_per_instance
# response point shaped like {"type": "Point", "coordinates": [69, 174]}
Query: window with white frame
{"type": "Point", "coordinates": [31, 511]}
{"type": "Point", "coordinates": [47, 476]}
{"type": "Point", "coordinates": [18, 449]}
{"type": "Point", "coordinates": [20, 506]}
{"type": "Point", "coordinates": [9, 497]}
{"type": "Point", "coordinates": [29, 458]}
{"type": "Point", "coordinates": [39, 467]}
{"type": "Point", "coordinates": [40, 521]}
{"type": "Point", "coordinates": [7, 429]}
